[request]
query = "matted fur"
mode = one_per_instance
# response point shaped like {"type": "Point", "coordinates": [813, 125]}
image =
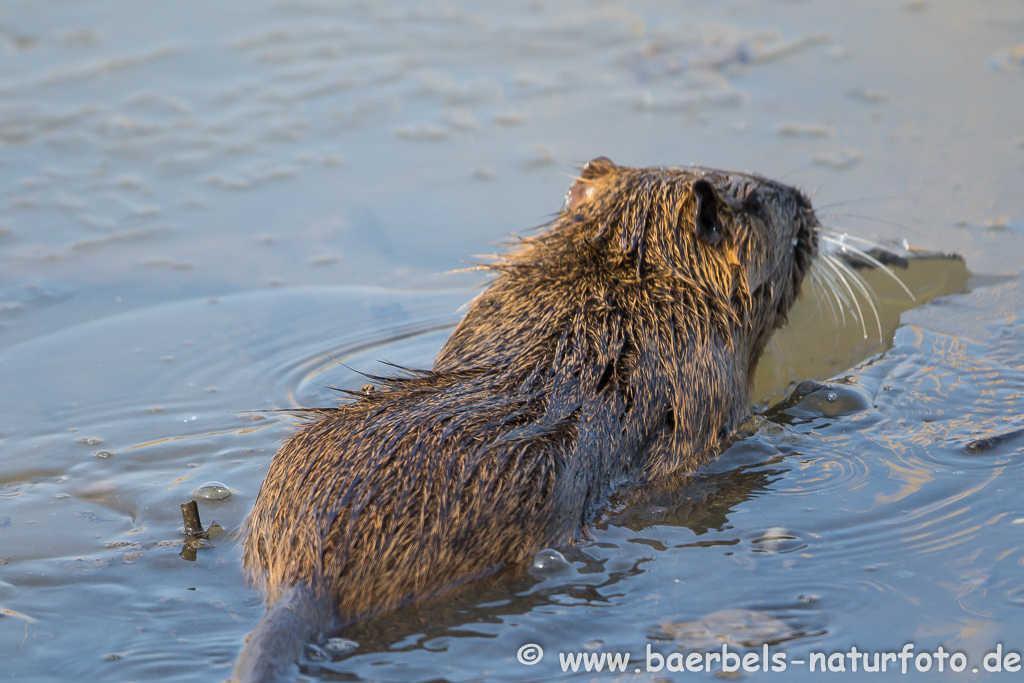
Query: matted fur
{"type": "Point", "coordinates": [613, 347]}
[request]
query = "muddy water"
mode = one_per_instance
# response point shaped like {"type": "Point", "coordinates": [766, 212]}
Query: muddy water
{"type": "Point", "coordinates": [204, 206]}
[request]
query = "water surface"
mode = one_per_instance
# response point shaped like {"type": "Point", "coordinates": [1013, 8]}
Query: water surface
{"type": "Point", "coordinates": [204, 207]}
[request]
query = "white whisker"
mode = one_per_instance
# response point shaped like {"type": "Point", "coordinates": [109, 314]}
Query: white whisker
{"type": "Point", "coordinates": [843, 236]}
{"type": "Point", "coordinates": [838, 296]}
{"type": "Point", "coordinates": [872, 219]}
{"type": "Point", "coordinates": [826, 295]}
{"type": "Point", "coordinates": [833, 262]}
{"type": "Point", "coordinates": [869, 294]}
{"type": "Point", "coordinates": [828, 288]}
{"type": "Point", "coordinates": [862, 200]}
{"type": "Point", "coordinates": [866, 257]}
{"type": "Point", "coordinates": [836, 281]}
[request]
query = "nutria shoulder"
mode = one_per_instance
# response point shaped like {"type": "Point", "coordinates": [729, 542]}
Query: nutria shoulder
{"type": "Point", "coordinates": [613, 347]}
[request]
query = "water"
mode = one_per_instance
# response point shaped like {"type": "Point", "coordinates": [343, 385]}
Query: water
{"type": "Point", "coordinates": [204, 207]}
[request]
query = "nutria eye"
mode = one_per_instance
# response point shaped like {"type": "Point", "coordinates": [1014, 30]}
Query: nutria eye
{"type": "Point", "coordinates": [705, 217]}
{"type": "Point", "coordinates": [753, 202]}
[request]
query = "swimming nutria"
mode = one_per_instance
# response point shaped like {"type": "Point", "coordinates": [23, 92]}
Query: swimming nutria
{"type": "Point", "coordinates": [614, 347]}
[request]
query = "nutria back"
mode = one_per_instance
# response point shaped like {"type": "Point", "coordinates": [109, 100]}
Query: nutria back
{"type": "Point", "coordinates": [613, 347]}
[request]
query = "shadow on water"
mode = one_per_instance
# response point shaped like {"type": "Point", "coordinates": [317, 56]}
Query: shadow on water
{"type": "Point", "coordinates": [825, 335]}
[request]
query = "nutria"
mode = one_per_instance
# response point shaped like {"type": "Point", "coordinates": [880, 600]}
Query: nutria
{"type": "Point", "coordinates": [614, 347]}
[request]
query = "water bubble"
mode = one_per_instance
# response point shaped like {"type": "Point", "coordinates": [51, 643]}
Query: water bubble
{"type": "Point", "coordinates": [90, 441]}
{"type": "Point", "coordinates": [655, 513]}
{"type": "Point", "coordinates": [549, 560]}
{"type": "Point", "coordinates": [814, 399]}
{"type": "Point", "coordinates": [102, 454]}
{"type": "Point", "coordinates": [212, 490]}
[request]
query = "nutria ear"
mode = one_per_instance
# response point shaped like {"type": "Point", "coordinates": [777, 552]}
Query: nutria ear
{"type": "Point", "coordinates": [581, 189]}
{"type": "Point", "coordinates": [705, 216]}
{"type": "Point", "coordinates": [597, 167]}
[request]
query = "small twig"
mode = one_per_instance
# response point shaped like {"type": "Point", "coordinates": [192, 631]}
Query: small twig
{"type": "Point", "coordinates": [190, 515]}
{"type": "Point", "coordinates": [195, 535]}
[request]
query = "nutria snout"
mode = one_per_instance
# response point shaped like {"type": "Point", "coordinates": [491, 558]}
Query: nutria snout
{"type": "Point", "coordinates": [613, 347]}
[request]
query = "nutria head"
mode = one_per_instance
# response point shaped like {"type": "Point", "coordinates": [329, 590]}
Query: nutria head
{"type": "Point", "coordinates": [707, 256]}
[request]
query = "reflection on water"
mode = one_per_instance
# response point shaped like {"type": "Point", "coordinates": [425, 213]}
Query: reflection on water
{"type": "Point", "coordinates": [830, 331]}
{"type": "Point", "coordinates": [201, 208]}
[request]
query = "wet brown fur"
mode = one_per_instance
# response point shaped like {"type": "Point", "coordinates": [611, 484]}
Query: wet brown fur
{"type": "Point", "coordinates": [612, 348]}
